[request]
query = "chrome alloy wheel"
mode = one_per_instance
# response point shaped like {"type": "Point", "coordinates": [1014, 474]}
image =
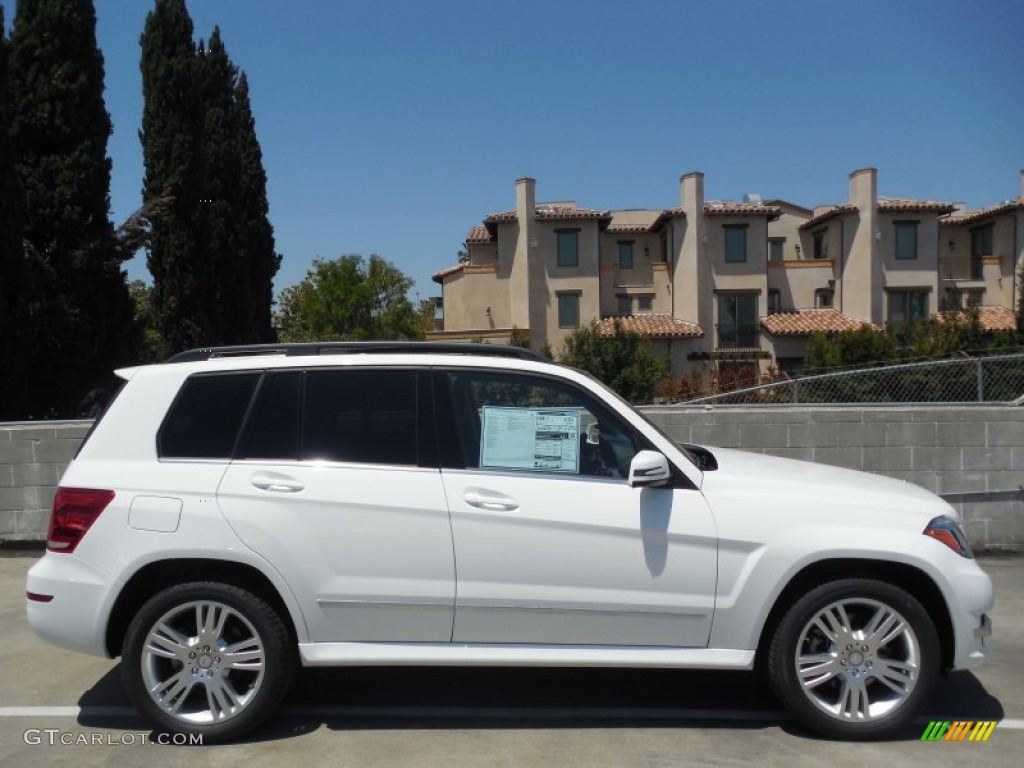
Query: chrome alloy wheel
{"type": "Point", "coordinates": [203, 662]}
{"type": "Point", "coordinates": [858, 659]}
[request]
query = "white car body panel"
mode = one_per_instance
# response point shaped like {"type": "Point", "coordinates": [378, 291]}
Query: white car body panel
{"type": "Point", "coordinates": [580, 561]}
{"type": "Point", "coordinates": [367, 549]}
{"type": "Point", "coordinates": [399, 553]}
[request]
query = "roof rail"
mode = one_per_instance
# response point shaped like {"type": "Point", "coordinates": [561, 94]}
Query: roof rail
{"type": "Point", "coordinates": [356, 348]}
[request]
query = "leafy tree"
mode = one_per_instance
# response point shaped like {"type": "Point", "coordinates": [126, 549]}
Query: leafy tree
{"type": "Point", "coordinates": [151, 349]}
{"type": "Point", "coordinates": [223, 246]}
{"type": "Point", "coordinates": [211, 246]}
{"type": "Point", "coordinates": [254, 213]}
{"type": "Point", "coordinates": [623, 361]}
{"type": "Point", "coordinates": [350, 298]}
{"type": "Point", "coordinates": [78, 310]}
{"type": "Point", "coordinates": [12, 311]}
{"type": "Point", "coordinates": [184, 289]}
{"type": "Point", "coordinates": [860, 348]}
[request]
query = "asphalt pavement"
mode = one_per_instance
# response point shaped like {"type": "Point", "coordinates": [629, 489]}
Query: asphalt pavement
{"type": "Point", "coordinates": [58, 708]}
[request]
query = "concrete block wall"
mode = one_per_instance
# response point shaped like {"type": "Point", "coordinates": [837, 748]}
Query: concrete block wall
{"type": "Point", "coordinates": [974, 456]}
{"type": "Point", "coordinates": [33, 456]}
{"type": "Point", "coordinates": [971, 455]}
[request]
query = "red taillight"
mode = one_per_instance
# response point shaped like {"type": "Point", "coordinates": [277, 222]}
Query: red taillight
{"type": "Point", "coordinates": [74, 511]}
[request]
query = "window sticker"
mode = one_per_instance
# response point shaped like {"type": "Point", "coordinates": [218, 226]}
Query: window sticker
{"type": "Point", "coordinates": [538, 439]}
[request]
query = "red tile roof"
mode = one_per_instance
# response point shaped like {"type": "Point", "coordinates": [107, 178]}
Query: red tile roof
{"type": "Point", "coordinates": [804, 322]}
{"type": "Point", "coordinates": [897, 205]}
{"type": "Point", "coordinates": [969, 217]}
{"type": "Point", "coordinates": [627, 229]}
{"type": "Point", "coordinates": [991, 318]}
{"type": "Point", "coordinates": [716, 208]}
{"type": "Point", "coordinates": [551, 213]}
{"type": "Point", "coordinates": [479, 234]}
{"type": "Point", "coordinates": [997, 318]}
{"type": "Point", "coordinates": [836, 210]}
{"type": "Point", "coordinates": [441, 274]}
{"type": "Point", "coordinates": [655, 326]}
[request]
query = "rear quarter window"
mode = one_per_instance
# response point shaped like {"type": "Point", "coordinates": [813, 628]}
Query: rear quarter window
{"type": "Point", "coordinates": [204, 420]}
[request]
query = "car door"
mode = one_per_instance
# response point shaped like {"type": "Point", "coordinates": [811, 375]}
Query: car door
{"type": "Point", "coordinates": [336, 484]}
{"type": "Point", "coordinates": [552, 545]}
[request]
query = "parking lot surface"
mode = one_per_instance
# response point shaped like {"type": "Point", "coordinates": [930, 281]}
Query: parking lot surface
{"type": "Point", "coordinates": [58, 707]}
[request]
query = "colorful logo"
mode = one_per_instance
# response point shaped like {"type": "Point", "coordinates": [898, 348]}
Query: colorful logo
{"type": "Point", "coordinates": [958, 730]}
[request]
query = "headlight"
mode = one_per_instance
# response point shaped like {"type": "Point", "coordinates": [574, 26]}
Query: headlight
{"type": "Point", "coordinates": [949, 532]}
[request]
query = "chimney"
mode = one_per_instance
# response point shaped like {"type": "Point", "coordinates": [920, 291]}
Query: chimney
{"type": "Point", "coordinates": [691, 192]}
{"type": "Point", "coordinates": [519, 274]}
{"type": "Point", "coordinates": [526, 200]}
{"type": "Point", "coordinates": [864, 188]}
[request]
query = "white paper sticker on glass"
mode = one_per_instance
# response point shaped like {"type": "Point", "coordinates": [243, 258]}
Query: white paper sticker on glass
{"type": "Point", "coordinates": [539, 439]}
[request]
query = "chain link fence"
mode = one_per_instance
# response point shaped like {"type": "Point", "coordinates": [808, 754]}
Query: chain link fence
{"type": "Point", "coordinates": [996, 379]}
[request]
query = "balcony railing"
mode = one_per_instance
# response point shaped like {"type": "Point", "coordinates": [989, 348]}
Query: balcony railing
{"type": "Point", "coordinates": [639, 276]}
{"type": "Point", "coordinates": [961, 268]}
{"type": "Point", "coordinates": [739, 336]}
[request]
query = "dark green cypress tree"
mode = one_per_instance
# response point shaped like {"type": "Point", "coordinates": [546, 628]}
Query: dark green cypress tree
{"type": "Point", "coordinates": [262, 257]}
{"type": "Point", "coordinates": [13, 346]}
{"type": "Point", "coordinates": [220, 211]}
{"type": "Point", "coordinates": [184, 290]}
{"type": "Point", "coordinates": [83, 313]}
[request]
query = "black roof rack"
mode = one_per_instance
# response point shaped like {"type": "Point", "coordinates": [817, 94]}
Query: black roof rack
{"type": "Point", "coordinates": [357, 348]}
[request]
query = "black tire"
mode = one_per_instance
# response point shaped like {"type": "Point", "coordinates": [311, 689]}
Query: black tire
{"type": "Point", "coordinates": [220, 664]}
{"type": "Point", "coordinates": [865, 683]}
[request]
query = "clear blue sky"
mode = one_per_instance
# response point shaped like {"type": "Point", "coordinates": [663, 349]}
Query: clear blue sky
{"type": "Point", "coordinates": [391, 127]}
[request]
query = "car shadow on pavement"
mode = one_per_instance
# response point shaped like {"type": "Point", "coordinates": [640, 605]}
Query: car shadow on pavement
{"type": "Point", "coordinates": [437, 698]}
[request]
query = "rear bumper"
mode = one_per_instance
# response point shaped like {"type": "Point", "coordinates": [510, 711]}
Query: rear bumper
{"type": "Point", "coordinates": [76, 616]}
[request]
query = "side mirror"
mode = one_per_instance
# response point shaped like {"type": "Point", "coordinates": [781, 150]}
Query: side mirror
{"type": "Point", "coordinates": [648, 469]}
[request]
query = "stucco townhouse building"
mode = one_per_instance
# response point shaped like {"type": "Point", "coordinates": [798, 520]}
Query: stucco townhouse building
{"type": "Point", "coordinates": [726, 284]}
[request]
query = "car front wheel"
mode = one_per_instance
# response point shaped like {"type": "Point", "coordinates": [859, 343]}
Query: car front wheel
{"type": "Point", "coordinates": [855, 658]}
{"type": "Point", "coordinates": [207, 659]}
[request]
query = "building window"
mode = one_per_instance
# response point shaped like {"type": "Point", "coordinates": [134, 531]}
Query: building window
{"type": "Point", "coordinates": [776, 248]}
{"type": "Point", "coordinates": [823, 298]}
{"type": "Point", "coordinates": [774, 301]}
{"type": "Point", "coordinates": [981, 241]}
{"type": "Point", "coordinates": [737, 320]}
{"type": "Point", "coordinates": [568, 247]}
{"type": "Point", "coordinates": [907, 307]}
{"type": "Point", "coordinates": [974, 298]}
{"type": "Point", "coordinates": [906, 239]}
{"type": "Point", "coordinates": [952, 299]}
{"type": "Point", "coordinates": [625, 305]}
{"type": "Point", "coordinates": [820, 245]}
{"type": "Point", "coordinates": [644, 303]}
{"type": "Point", "coordinates": [735, 244]}
{"type": "Point", "coordinates": [626, 255]}
{"type": "Point", "coordinates": [568, 310]}
{"type": "Point", "coordinates": [791, 366]}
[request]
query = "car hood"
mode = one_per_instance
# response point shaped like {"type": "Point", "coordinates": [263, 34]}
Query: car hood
{"type": "Point", "coordinates": [795, 483]}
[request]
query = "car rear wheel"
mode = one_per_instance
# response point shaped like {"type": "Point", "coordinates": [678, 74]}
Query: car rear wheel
{"type": "Point", "coordinates": [855, 658]}
{"type": "Point", "coordinates": [207, 659]}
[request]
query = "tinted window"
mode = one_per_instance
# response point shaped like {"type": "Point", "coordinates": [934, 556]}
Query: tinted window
{"type": "Point", "coordinates": [360, 416]}
{"type": "Point", "coordinates": [572, 432]}
{"type": "Point", "coordinates": [203, 423]}
{"type": "Point", "coordinates": [273, 428]}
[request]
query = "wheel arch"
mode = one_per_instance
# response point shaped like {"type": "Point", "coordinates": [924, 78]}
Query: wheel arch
{"type": "Point", "coordinates": [902, 575]}
{"type": "Point", "coordinates": [154, 577]}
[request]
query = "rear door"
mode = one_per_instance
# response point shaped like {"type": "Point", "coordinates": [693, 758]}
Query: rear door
{"type": "Point", "coordinates": [336, 484]}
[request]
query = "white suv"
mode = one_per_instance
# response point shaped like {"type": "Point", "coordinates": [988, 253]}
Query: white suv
{"type": "Point", "coordinates": [239, 511]}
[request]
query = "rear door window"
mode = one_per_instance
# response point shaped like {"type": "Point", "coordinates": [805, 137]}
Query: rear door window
{"type": "Point", "coordinates": [360, 416]}
{"type": "Point", "coordinates": [204, 420]}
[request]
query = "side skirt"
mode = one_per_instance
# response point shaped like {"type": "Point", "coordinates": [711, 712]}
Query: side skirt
{"type": "Point", "coordinates": [453, 654]}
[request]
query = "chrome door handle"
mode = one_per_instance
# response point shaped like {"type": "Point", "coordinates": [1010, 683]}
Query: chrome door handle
{"type": "Point", "coordinates": [277, 483]}
{"type": "Point", "coordinates": [490, 502]}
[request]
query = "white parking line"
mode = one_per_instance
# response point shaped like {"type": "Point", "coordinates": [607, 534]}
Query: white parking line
{"type": "Point", "coordinates": [493, 713]}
